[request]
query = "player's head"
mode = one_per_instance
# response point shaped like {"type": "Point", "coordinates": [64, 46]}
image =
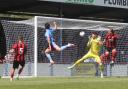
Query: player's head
{"type": "Point", "coordinates": [47, 25]}
{"type": "Point", "coordinates": [111, 31]}
{"type": "Point", "coordinates": [94, 34]}
{"type": "Point", "coordinates": [20, 38]}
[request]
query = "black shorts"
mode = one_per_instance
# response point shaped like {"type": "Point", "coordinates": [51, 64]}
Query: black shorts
{"type": "Point", "coordinates": [109, 49]}
{"type": "Point", "coordinates": [17, 63]}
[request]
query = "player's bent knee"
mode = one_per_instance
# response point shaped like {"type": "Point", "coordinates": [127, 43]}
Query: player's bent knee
{"type": "Point", "coordinates": [47, 50]}
{"type": "Point", "coordinates": [106, 54]}
{"type": "Point", "coordinates": [114, 52]}
{"type": "Point", "coordinates": [58, 49]}
{"type": "Point", "coordinates": [102, 57]}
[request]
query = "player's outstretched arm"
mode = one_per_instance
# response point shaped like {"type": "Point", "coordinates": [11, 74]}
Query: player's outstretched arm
{"type": "Point", "coordinates": [100, 41]}
{"type": "Point", "coordinates": [55, 25]}
{"type": "Point", "coordinates": [11, 51]}
{"type": "Point", "coordinates": [89, 41]}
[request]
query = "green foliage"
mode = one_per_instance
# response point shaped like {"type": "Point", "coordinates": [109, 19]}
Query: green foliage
{"type": "Point", "coordinates": [14, 16]}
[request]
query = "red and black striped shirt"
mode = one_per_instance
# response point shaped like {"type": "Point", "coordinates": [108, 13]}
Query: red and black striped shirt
{"type": "Point", "coordinates": [111, 40]}
{"type": "Point", "coordinates": [20, 50]}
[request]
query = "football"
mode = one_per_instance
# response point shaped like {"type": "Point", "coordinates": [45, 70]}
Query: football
{"type": "Point", "coordinates": [82, 33]}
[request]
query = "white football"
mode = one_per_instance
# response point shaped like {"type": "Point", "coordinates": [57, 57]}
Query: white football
{"type": "Point", "coordinates": [82, 33]}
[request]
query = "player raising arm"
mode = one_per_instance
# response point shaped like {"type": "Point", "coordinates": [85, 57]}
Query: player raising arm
{"type": "Point", "coordinates": [94, 45]}
{"type": "Point", "coordinates": [52, 46]}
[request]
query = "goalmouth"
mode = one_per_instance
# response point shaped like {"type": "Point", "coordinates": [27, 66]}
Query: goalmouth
{"type": "Point", "coordinates": [33, 32]}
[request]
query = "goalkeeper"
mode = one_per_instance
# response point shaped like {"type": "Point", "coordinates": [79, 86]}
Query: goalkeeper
{"type": "Point", "coordinates": [94, 45]}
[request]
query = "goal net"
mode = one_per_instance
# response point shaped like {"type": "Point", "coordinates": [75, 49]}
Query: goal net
{"type": "Point", "coordinates": [12, 29]}
{"type": "Point", "coordinates": [37, 63]}
{"type": "Point", "coordinates": [69, 32]}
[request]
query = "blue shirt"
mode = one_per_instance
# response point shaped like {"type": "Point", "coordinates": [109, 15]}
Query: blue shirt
{"type": "Point", "coordinates": [49, 33]}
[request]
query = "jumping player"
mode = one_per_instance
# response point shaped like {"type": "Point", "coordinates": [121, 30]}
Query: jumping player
{"type": "Point", "coordinates": [110, 43]}
{"type": "Point", "coordinates": [94, 45]}
{"type": "Point", "coordinates": [20, 50]}
{"type": "Point", "coordinates": [52, 46]}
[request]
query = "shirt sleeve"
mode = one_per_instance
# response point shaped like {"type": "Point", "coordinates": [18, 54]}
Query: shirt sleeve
{"type": "Point", "coordinates": [116, 36]}
{"type": "Point", "coordinates": [106, 36]}
{"type": "Point", "coordinates": [47, 34]}
{"type": "Point", "coordinates": [99, 38]}
{"type": "Point", "coordinates": [14, 46]}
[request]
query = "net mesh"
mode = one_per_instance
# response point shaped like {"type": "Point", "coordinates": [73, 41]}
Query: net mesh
{"type": "Point", "coordinates": [69, 32]}
{"type": "Point", "coordinates": [12, 29]}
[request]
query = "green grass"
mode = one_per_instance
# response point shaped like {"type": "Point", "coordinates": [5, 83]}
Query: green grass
{"type": "Point", "coordinates": [66, 83]}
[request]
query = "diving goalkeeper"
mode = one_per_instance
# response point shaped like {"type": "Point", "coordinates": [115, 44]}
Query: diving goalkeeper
{"type": "Point", "coordinates": [94, 45]}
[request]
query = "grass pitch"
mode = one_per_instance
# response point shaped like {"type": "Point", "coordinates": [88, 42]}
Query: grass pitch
{"type": "Point", "coordinates": [66, 83]}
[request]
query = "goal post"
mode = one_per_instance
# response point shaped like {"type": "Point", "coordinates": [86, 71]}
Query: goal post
{"type": "Point", "coordinates": [35, 46]}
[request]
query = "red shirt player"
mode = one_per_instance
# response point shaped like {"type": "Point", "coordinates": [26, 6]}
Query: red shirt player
{"type": "Point", "coordinates": [20, 51]}
{"type": "Point", "coordinates": [110, 45]}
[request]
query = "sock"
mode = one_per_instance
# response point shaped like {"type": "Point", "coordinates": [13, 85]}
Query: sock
{"type": "Point", "coordinates": [12, 75]}
{"type": "Point", "coordinates": [114, 53]}
{"type": "Point", "coordinates": [101, 67]}
{"type": "Point", "coordinates": [78, 61]}
{"type": "Point", "coordinates": [49, 57]}
{"type": "Point", "coordinates": [18, 75]}
{"type": "Point", "coordinates": [64, 47]}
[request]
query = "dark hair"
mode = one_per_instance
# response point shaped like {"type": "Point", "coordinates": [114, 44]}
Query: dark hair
{"type": "Point", "coordinates": [20, 37]}
{"type": "Point", "coordinates": [95, 33]}
{"type": "Point", "coordinates": [47, 25]}
{"type": "Point", "coordinates": [112, 31]}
